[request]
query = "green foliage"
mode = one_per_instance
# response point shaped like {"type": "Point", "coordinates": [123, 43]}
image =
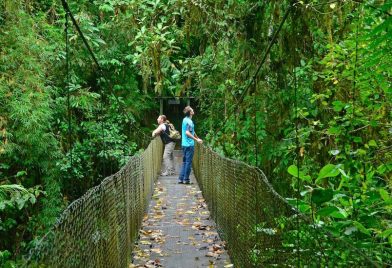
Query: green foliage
{"type": "Point", "coordinates": [56, 160]}
{"type": "Point", "coordinates": [338, 133]}
{"type": "Point", "coordinates": [340, 130]}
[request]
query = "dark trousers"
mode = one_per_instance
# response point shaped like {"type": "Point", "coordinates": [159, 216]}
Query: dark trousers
{"type": "Point", "coordinates": [187, 157]}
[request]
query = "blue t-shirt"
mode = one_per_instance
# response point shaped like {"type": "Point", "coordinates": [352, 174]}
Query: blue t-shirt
{"type": "Point", "coordinates": [187, 124]}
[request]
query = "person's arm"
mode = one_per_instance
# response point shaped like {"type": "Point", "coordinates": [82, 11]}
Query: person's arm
{"type": "Point", "coordinates": [157, 131]}
{"type": "Point", "coordinates": [193, 137]}
{"type": "Point", "coordinates": [199, 140]}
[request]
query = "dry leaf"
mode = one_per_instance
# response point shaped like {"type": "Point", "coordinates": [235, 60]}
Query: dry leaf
{"type": "Point", "coordinates": [211, 254]}
{"type": "Point", "coordinates": [157, 250]}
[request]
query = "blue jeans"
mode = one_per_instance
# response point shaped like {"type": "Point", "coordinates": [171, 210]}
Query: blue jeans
{"type": "Point", "coordinates": [187, 156]}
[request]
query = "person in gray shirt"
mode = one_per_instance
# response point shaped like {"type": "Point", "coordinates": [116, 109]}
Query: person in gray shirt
{"type": "Point", "coordinates": [168, 157]}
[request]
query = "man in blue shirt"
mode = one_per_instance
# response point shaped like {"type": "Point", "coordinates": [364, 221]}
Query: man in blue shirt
{"type": "Point", "coordinates": [188, 145]}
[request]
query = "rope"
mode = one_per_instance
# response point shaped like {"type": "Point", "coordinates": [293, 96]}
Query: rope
{"type": "Point", "coordinates": [102, 119]}
{"type": "Point", "coordinates": [255, 185]}
{"type": "Point", "coordinates": [272, 42]}
{"type": "Point", "coordinates": [297, 146]}
{"type": "Point", "coordinates": [69, 12]}
{"type": "Point", "coordinates": [355, 66]}
{"type": "Point", "coordinates": [265, 54]}
{"type": "Point", "coordinates": [255, 125]}
{"type": "Point", "coordinates": [68, 89]}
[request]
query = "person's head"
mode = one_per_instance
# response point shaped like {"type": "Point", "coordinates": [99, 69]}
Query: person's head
{"type": "Point", "coordinates": [188, 111]}
{"type": "Point", "coordinates": [161, 119]}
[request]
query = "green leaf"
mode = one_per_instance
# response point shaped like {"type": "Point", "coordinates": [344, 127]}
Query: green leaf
{"type": "Point", "coordinates": [320, 196]}
{"type": "Point", "coordinates": [328, 170]}
{"type": "Point", "coordinates": [334, 131]}
{"type": "Point", "coordinates": [361, 228]}
{"type": "Point", "coordinates": [333, 212]}
{"type": "Point", "coordinates": [386, 233]}
{"type": "Point", "coordinates": [372, 143]}
{"type": "Point", "coordinates": [340, 214]}
{"type": "Point", "coordinates": [381, 169]}
{"type": "Point", "coordinates": [21, 173]}
{"type": "Point", "coordinates": [384, 195]}
{"type": "Point", "coordinates": [326, 211]}
{"type": "Point", "coordinates": [20, 202]}
{"type": "Point", "coordinates": [33, 199]}
{"type": "Point", "coordinates": [303, 208]}
{"type": "Point", "coordinates": [338, 106]}
{"type": "Point", "coordinates": [293, 170]}
{"type": "Point", "coordinates": [334, 152]}
{"type": "Point", "coordinates": [350, 230]}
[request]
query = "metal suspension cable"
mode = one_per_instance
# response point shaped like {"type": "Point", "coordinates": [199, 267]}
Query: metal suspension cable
{"type": "Point", "coordinates": [329, 234]}
{"type": "Point", "coordinates": [68, 11]}
{"type": "Point", "coordinates": [271, 43]}
{"type": "Point", "coordinates": [68, 88]}
{"type": "Point", "coordinates": [297, 148]}
{"type": "Point", "coordinates": [355, 66]}
{"type": "Point", "coordinates": [257, 218]}
{"type": "Point", "coordinates": [102, 119]}
{"type": "Point", "coordinates": [255, 125]}
{"type": "Point", "coordinates": [70, 14]}
{"type": "Point", "coordinates": [298, 213]}
{"type": "Point", "coordinates": [298, 157]}
{"type": "Point", "coordinates": [266, 53]}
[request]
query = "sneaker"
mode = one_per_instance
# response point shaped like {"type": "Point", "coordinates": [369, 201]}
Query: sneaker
{"type": "Point", "coordinates": [187, 182]}
{"type": "Point", "coordinates": [180, 182]}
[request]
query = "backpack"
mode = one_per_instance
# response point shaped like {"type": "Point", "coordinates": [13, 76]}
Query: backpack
{"type": "Point", "coordinates": [173, 133]}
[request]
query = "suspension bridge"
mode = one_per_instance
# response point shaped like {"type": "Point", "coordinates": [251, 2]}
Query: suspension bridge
{"type": "Point", "coordinates": [250, 224]}
{"type": "Point", "coordinates": [101, 228]}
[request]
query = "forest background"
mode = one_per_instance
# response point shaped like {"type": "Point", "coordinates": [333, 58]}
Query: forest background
{"type": "Point", "coordinates": [320, 103]}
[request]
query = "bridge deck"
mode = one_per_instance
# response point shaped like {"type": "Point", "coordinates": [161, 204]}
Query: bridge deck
{"type": "Point", "coordinates": [178, 232]}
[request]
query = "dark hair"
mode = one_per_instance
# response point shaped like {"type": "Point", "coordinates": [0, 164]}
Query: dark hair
{"type": "Point", "coordinates": [187, 111]}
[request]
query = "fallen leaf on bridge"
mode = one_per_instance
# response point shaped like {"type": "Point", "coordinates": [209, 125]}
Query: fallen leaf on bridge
{"type": "Point", "coordinates": [212, 254]}
{"type": "Point", "coordinates": [156, 250]}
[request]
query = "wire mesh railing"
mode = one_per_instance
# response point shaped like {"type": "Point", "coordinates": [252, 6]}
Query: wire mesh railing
{"type": "Point", "coordinates": [98, 229]}
{"type": "Point", "coordinates": [260, 227]}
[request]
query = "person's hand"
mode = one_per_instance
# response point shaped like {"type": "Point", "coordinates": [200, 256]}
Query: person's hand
{"type": "Point", "coordinates": [199, 140]}
{"type": "Point", "coordinates": [153, 134]}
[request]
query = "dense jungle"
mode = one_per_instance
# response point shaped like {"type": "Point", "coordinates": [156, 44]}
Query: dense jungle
{"type": "Point", "coordinates": [305, 96]}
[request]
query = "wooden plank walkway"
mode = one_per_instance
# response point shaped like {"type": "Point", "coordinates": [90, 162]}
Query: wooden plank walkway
{"type": "Point", "coordinates": [178, 231]}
